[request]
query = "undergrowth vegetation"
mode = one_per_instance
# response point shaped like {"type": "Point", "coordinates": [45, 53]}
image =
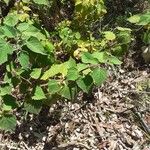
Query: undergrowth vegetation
{"type": "Point", "coordinates": [52, 50]}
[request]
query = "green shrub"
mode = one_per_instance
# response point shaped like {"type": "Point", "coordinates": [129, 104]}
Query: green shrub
{"type": "Point", "coordinates": [35, 74]}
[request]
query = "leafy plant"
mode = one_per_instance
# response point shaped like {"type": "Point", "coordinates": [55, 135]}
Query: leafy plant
{"type": "Point", "coordinates": [142, 20]}
{"type": "Point", "coordinates": [33, 72]}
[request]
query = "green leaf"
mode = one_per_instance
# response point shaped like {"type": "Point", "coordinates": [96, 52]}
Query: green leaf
{"type": "Point", "coordinates": [9, 31]}
{"type": "Point", "coordinates": [101, 56]}
{"type": "Point", "coordinates": [109, 35]}
{"type": "Point", "coordinates": [35, 45]}
{"type": "Point", "coordinates": [114, 60]}
{"type": "Point", "coordinates": [11, 19]}
{"type": "Point", "coordinates": [85, 83]}
{"type": "Point", "coordinates": [7, 79]}
{"type": "Point", "coordinates": [64, 68]}
{"type": "Point", "coordinates": [99, 76]}
{"type": "Point", "coordinates": [53, 86]}
{"type": "Point", "coordinates": [123, 29]}
{"type": "Point", "coordinates": [39, 94]}
{"type": "Point", "coordinates": [78, 35]}
{"type": "Point", "coordinates": [36, 72]}
{"type": "Point", "coordinates": [51, 72]}
{"type": "Point", "coordinates": [124, 37]}
{"type": "Point", "coordinates": [5, 49]}
{"type": "Point", "coordinates": [71, 63]}
{"type": "Point", "coordinates": [32, 106]}
{"type": "Point", "coordinates": [86, 71]}
{"type": "Point", "coordinates": [8, 122]}
{"type": "Point", "coordinates": [28, 30]}
{"type": "Point", "coordinates": [56, 69]}
{"type": "Point", "coordinates": [88, 58]}
{"type": "Point", "coordinates": [146, 38]}
{"type": "Point", "coordinates": [9, 103]}
{"type": "Point", "coordinates": [49, 46]}
{"type": "Point", "coordinates": [144, 19]}
{"type": "Point", "coordinates": [6, 1]}
{"type": "Point", "coordinates": [82, 66]}
{"type": "Point", "coordinates": [134, 19]}
{"type": "Point", "coordinates": [41, 2]}
{"type": "Point", "coordinates": [5, 89]}
{"type": "Point", "coordinates": [24, 60]}
{"type": "Point", "coordinates": [65, 92]}
{"type": "Point", "coordinates": [73, 74]}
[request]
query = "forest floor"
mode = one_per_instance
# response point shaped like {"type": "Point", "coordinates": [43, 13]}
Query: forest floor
{"type": "Point", "coordinates": [117, 118]}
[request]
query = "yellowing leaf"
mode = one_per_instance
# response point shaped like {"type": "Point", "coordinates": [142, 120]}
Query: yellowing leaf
{"type": "Point", "coordinates": [109, 35]}
{"type": "Point", "coordinates": [23, 17]}
{"type": "Point", "coordinates": [54, 70]}
{"type": "Point", "coordinates": [26, 8]}
{"type": "Point", "coordinates": [134, 19]}
{"type": "Point", "coordinates": [51, 72]}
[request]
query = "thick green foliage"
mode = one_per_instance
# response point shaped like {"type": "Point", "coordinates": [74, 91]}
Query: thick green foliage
{"type": "Point", "coordinates": [40, 67]}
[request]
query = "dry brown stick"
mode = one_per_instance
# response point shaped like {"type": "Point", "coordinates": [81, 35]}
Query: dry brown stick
{"type": "Point", "coordinates": [76, 144]}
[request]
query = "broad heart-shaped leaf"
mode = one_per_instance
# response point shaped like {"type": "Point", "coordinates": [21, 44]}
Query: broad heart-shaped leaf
{"type": "Point", "coordinates": [65, 92]}
{"type": "Point", "coordinates": [5, 49]}
{"type": "Point", "coordinates": [114, 60]}
{"type": "Point", "coordinates": [101, 56]}
{"type": "Point", "coordinates": [5, 89]}
{"type": "Point", "coordinates": [134, 19]}
{"type": "Point", "coordinates": [59, 68]}
{"type": "Point", "coordinates": [8, 122]}
{"type": "Point", "coordinates": [9, 103]}
{"type": "Point", "coordinates": [39, 94]}
{"type": "Point", "coordinates": [32, 106]}
{"type": "Point", "coordinates": [88, 58]}
{"type": "Point", "coordinates": [99, 76]}
{"type": "Point", "coordinates": [28, 30]}
{"type": "Point", "coordinates": [35, 45]}
{"type": "Point", "coordinates": [71, 63]}
{"type": "Point", "coordinates": [56, 69]}
{"type": "Point", "coordinates": [24, 60]}
{"type": "Point", "coordinates": [51, 72]}
{"type": "Point", "coordinates": [72, 74]}
{"type": "Point", "coordinates": [41, 2]}
{"type": "Point", "coordinates": [9, 31]}
{"type": "Point", "coordinates": [85, 83]}
{"type": "Point", "coordinates": [109, 35]}
{"type": "Point", "coordinates": [36, 72]}
{"type": "Point", "coordinates": [11, 19]}
{"type": "Point", "coordinates": [53, 86]}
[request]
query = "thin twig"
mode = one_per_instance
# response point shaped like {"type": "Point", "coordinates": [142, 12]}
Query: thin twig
{"type": "Point", "coordinates": [76, 144]}
{"type": "Point", "coordinates": [25, 145]}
